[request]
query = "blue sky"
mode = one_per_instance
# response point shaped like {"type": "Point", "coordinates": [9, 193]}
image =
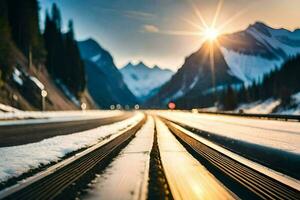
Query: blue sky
{"type": "Point", "coordinates": [134, 30]}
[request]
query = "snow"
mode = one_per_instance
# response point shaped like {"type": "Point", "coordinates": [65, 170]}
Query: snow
{"type": "Point", "coordinates": [141, 80]}
{"type": "Point", "coordinates": [268, 106]}
{"type": "Point", "coordinates": [296, 97]}
{"type": "Point", "coordinates": [17, 76]}
{"type": "Point", "coordinates": [194, 82]}
{"type": "Point", "coordinates": [295, 110]}
{"type": "Point", "coordinates": [269, 133]}
{"type": "Point", "coordinates": [7, 108]}
{"type": "Point", "coordinates": [178, 94]}
{"type": "Point", "coordinates": [208, 109]}
{"type": "Point", "coordinates": [248, 67]}
{"type": "Point", "coordinates": [17, 160]}
{"type": "Point", "coordinates": [129, 170]}
{"type": "Point", "coordinates": [260, 107]}
{"type": "Point", "coordinates": [37, 82]}
{"type": "Point", "coordinates": [252, 66]}
{"type": "Point", "coordinates": [95, 58]}
{"type": "Point", "coordinates": [275, 40]}
{"type": "Point", "coordinates": [52, 116]}
{"type": "Point", "coordinates": [183, 90]}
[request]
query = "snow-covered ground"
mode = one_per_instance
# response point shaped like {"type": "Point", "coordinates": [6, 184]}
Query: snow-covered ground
{"type": "Point", "coordinates": [254, 165]}
{"type": "Point", "coordinates": [141, 79]}
{"type": "Point", "coordinates": [129, 170]}
{"type": "Point", "coordinates": [295, 110]}
{"type": "Point", "coordinates": [6, 108]}
{"type": "Point", "coordinates": [17, 160]}
{"type": "Point", "coordinates": [259, 107]}
{"type": "Point", "coordinates": [268, 106]}
{"type": "Point", "coordinates": [279, 135]}
{"type": "Point", "coordinates": [13, 113]}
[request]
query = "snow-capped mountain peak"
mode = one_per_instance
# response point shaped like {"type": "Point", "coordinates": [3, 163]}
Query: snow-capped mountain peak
{"type": "Point", "coordinates": [142, 80]}
{"type": "Point", "coordinates": [257, 50]}
{"type": "Point", "coordinates": [105, 82]}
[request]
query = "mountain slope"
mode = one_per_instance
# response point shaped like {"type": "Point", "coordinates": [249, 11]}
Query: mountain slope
{"type": "Point", "coordinates": [142, 80]}
{"type": "Point", "coordinates": [257, 50]}
{"type": "Point", "coordinates": [196, 76]}
{"type": "Point", "coordinates": [240, 57]}
{"type": "Point", "coordinates": [104, 81]}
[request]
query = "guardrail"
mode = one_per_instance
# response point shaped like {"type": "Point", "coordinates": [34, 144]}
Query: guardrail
{"type": "Point", "coordinates": [262, 116]}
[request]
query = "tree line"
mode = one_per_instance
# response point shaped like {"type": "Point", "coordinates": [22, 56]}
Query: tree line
{"type": "Point", "coordinates": [63, 59]}
{"type": "Point", "coordinates": [280, 83]}
{"type": "Point", "coordinates": [58, 51]}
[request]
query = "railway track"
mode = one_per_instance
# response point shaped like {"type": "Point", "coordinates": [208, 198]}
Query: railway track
{"type": "Point", "coordinates": [55, 182]}
{"type": "Point", "coordinates": [245, 181]}
{"type": "Point", "coordinates": [239, 178]}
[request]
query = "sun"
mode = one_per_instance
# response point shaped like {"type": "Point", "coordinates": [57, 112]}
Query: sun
{"type": "Point", "coordinates": [211, 33]}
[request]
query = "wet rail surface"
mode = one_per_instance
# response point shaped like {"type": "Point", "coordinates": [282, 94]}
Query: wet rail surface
{"type": "Point", "coordinates": [187, 178]}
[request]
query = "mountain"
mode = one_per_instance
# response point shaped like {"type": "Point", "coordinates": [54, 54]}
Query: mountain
{"type": "Point", "coordinates": [257, 50]}
{"type": "Point", "coordinates": [104, 81]}
{"type": "Point", "coordinates": [142, 80]}
{"type": "Point", "coordinates": [239, 58]}
{"type": "Point", "coordinates": [25, 82]}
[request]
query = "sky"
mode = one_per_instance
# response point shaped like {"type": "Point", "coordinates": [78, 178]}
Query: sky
{"type": "Point", "coordinates": [160, 32]}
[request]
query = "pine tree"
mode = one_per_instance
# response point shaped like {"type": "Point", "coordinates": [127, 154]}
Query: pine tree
{"type": "Point", "coordinates": [24, 21]}
{"type": "Point", "coordinates": [6, 46]}
{"type": "Point", "coordinates": [229, 100]}
{"type": "Point", "coordinates": [242, 94]}
{"type": "Point", "coordinates": [49, 43]}
{"type": "Point", "coordinates": [63, 60]}
{"type": "Point", "coordinates": [54, 43]}
{"type": "Point", "coordinates": [279, 83]}
{"type": "Point", "coordinates": [74, 65]}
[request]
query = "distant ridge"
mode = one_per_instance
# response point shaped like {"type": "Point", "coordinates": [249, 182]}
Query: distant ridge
{"type": "Point", "coordinates": [144, 81]}
{"type": "Point", "coordinates": [104, 80]}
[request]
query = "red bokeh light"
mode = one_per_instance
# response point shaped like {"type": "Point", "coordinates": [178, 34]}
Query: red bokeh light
{"type": "Point", "coordinates": [172, 105]}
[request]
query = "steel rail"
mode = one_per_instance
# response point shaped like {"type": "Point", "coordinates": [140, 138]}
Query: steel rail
{"type": "Point", "coordinates": [262, 186]}
{"type": "Point", "coordinates": [62, 176]}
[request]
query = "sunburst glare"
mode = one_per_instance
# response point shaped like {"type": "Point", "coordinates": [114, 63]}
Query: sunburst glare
{"type": "Point", "coordinates": [207, 31]}
{"type": "Point", "coordinates": [211, 33]}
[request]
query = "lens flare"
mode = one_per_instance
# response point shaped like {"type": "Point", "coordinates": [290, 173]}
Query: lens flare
{"type": "Point", "coordinates": [211, 34]}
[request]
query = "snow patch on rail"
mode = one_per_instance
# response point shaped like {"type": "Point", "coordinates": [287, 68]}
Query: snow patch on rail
{"type": "Point", "coordinates": [17, 160]}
